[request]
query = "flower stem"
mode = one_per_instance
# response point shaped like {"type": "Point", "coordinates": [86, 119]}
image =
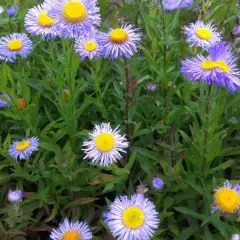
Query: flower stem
{"type": "Point", "coordinates": [165, 85]}
{"type": "Point", "coordinates": [127, 103]}
{"type": "Point", "coordinates": [127, 97]}
{"type": "Point", "coordinates": [205, 140]}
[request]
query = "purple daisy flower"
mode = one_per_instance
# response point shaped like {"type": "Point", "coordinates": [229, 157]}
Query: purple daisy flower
{"type": "Point", "coordinates": [13, 45]}
{"type": "Point", "coordinates": [171, 5]}
{"type": "Point", "coordinates": [157, 183]}
{"type": "Point", "coordinates": [201, 35]}
{"type": "Point", "coordinates": [4, 99]}
{"type": "Point", "coordinates": [88, 46]}
{"type": "Point", "coordinates": [24, 148]}
{"type": "Point", "coordinates": [38, 22]}
{"type": "Point", "coordinates": [132, 218]}
{"type": "Point", "coordinates": [120, 42]}
{"type": "Point", "coordinates": [219, 67]}
{"type": "Point", "coordinates": [105, 145]}
{"type": "Point", "coordinates": [15, 196]}
{"type": "Point", "coordinates": [75, 17]}
{"type": "Point", "coordinates": [72, 230]}
{"type": "Point", "coordinates": [227, 199]}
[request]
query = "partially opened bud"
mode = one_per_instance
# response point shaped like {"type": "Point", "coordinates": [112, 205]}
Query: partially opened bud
{"type": "Point", "coordinates": [22, 103]}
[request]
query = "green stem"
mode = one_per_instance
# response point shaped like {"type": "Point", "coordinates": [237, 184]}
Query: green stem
{"type": "Point", "coordinates": [207, 110]}
{"type": "Point", "coordinates": [164, 55]}
{"type": "Point", "coordinates": [127, 102]}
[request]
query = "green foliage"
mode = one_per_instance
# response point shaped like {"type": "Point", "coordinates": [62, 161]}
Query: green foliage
{"type": "Point", "coordinates": [186, 133]}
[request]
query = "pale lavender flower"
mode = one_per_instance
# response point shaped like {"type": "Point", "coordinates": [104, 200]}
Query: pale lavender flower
{"type": "Point", "coordinates": [236, 237]}
{"type": "Point", "coordinates": [152, 87]}
{"type": "Point", "coordinates": [72, 230]}
{"type": "Point", "coordinates": [171, 5]}
{"type": "Point", "coordinates": [202, 35]}
{"type": "Point", "coordinates": [219, 67]}
{"type": "Point", "coordinates": [23, 149]}
{"type": "Point", "coordinates": [50, 3]}
{"type": "Point", "coordinates": [157, 183]}
{"type": "Point", "coordinates": [75, 17]}
{"type": "Point", "coordinates": [87, 46]}
{"type": "Point", "coordinates": [105, 145]}
{"type": "Point", "coordinates": [15, 44]}
{"type": "Point", "coordinates": [15, 196]}
{"type": "Point", "coordinates": [4, 99]}
{"type": "Point", "coordinates": [236, 30]}
{"type": "Point", "coordinates": [132, 218]}
{"type": "Point", "coordinates": [38, 22]}
{"type": "Point", "coordinates": [120, 42]}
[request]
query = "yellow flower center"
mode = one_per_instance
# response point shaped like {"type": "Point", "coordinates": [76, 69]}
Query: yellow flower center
{"type": "Point", "coordinates": [22, 103]}
{"type": "Point", "coordinates": [90, 46]}
{"type": "Point", "coordinates": [105, 142]}
{"type": "Point", "coordinates": [133, 217]}
{"type": "Point", "coordinates": [15, 45]}
{"type": "Point", "coordinates": [210, 65]}
{"type": "Point", "coordinates": [118, 36]}
{"type": "Point", "coordinates": [204, 33]}
{"type": "Point", "coordinates": [227, 200]}
{"type": "Point", "coordinates": [71, 235]}
{"type": "Point", "coordinates": [22, 145]}
{"type": "Point", "coordinates": [74, 12]}
{"type": "Point", "coordinates": [44, 20]}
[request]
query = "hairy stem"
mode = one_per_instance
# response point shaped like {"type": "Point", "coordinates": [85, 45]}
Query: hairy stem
{"type": "Point", "coordinates": [205, 140]}
{"type": "Point", "coordinates": [164, 54]}
{"type": "Point", "coordinates": [127, 97]}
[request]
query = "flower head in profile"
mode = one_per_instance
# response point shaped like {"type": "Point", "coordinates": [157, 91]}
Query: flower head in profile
{"type": "Point", "coordinates": [75, 17]}
{"type": "Point", "coordinates": [132, 218]}
{"type": "Point", "coordinates": [170, 5]}
{"type": "Point", "coordinates": [23, 149]}
{"type": "Point", "coordinates": [4, 100]}
{"type": "Point", "coordinates": [157, 183]}
{"type": "Point", "coordinates": [15, 196]}
{"type": "Point", "coordinates": [226, 199]}
{"type": "Point", "coordinates": [105, 145]}
{"type": "Point", "coordinates": [13, 45]}
{"type": "Point", "coordinates": [71, 231]}
{"type": "Point", "coordinates": [201, 35]}
{"type": "Point", "coordinates": [87, 46]}
{"type": "Point", "coordinates": [39, 23]}
{"type": "Point", "coordinates": [219, 67]}
{"type": "Point", "coordinates": [120, 42]}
